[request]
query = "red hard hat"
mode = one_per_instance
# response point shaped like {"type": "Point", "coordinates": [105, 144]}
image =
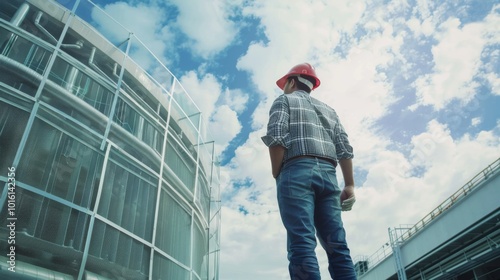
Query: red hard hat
{"type": "Point", "coordinates": [301, 69]}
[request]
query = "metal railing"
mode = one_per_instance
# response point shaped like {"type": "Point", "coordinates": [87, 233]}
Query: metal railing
{"type": "Point", "coordinates": [454, 198]}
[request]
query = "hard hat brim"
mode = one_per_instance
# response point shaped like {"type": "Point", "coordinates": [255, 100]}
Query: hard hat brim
{"type": "Point", "coordinates": [281, 82]}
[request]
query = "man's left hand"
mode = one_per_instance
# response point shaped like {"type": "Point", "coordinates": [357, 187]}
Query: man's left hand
{"type": "Point", "coordinates": [347, 198]}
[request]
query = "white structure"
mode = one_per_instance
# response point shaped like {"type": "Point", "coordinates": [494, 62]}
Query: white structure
{"type": "Point", "coordinates": [116, 176]}
{"type": "Point", "coordinates": [460, 239]}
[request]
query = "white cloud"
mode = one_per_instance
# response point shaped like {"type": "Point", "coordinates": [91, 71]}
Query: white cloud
{"type": "Point", "coordinates": [435, 149]}
{"type": "Point", "coordinates": [207, 24]}
{"type": "Point", "coordinates": [494, 81]}
{"type": "Point", "coordinates": [248, 241]}
{"type": "Point", "coordinates": [146, 22]}
{"type": "Point", "coordinates": [204, 91]}
{"type": "Point", "coordinates": [421, 28]}
{"type": "Point", "coordinates": [298, 32]}
{"type": "Point", "coordinates": [492, 59]}
{"type": "Point", "coordinates": [476, 121]}
{"type": "Point", "coordinates": [457, 61]}
{"type": "Point", "coordinates": [225, 125]}
{"type": "Point", "coordinates": [221, 118]}
{"type": "Point", "coordinates": [236, 99]}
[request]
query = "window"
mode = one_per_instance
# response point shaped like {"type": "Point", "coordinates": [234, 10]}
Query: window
{"type": "Point", "coordinates": [164, 269]}
{"type": "Point", "coordinates": [200, 252]}
{"type": "Point", "coordinates": [12, 125]}
{"type": "Point", "coordinates": [61, 165]}
{"type": "Point", "coordinates": [111, 245]}
{"type": "Point", "coordinates": [129, 196]}
{"type": "Point", "coordinates": [50, 221]}
{"type": "Point", "coordinates": [180, 162]}
{"type": "Point", "coordinates": [81, 85]}
{"type": "Point", "coordinates": [173, 234]}
{"type": "Point", "coordinates": [25, 52]}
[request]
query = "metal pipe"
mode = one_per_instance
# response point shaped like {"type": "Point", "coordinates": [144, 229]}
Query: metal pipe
{"type": "Point", "coordinates": [16, 20]}
{"type": "Point", "coordinates": [94, 66]}
{"type": "Point", "coordinates": [20, 14]}
{"type": "Point", "coordinates": [38, 16]}
{"type": "Point", "coordinates": [78, 45]}
{"type": "Point", "coordinates": [36, 21]}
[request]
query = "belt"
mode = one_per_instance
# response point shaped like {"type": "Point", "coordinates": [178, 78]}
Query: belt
{"type": "Point", "coordinates": [331, 161]}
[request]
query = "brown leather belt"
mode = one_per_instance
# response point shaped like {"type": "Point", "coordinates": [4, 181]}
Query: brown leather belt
{"type": "Point", "coordinates": [333, 162]}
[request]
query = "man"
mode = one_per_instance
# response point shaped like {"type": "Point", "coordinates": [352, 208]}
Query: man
{"type": "Point", "coordinates": [306, 141]}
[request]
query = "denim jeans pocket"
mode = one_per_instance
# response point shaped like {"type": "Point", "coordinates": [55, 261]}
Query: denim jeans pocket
{"type": "Point", "coordinates": [295, 182]}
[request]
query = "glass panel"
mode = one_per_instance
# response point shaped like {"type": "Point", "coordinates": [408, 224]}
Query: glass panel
{"type": "Point", "coordinates": [129, 196]}
{"type": "Point", "coordinates": [164, 269]}
{"type": "Point", "coordinates": [7, 10]}
{"type": "Point", "coordinates": [173, 234]}
{"type": "Point", "coordinates": [59, 164]}
{"type": "Point", "coordinates": [21, 51]}
{"type": "Point", "coordinates": [62, 72]}
{"type": "Point", "coordinates": [135, 149]}
{"type": "Point", "coordinates": [188, 123]}
{"type": "Point", "coordinates": [49, 220]}
{"type": "Point", "coordinates": [180, 162]}
{"type": "Point", "coordinates": [203, 195]}
{"type": "Point", "coordinates": [27, 53]}
{"type": "Point", "coordinates": [138, 93]}
{"type": "Point", "coordinates": [157, 74]}
{"type": "Point", "coordinates": [68, 4]}
{"type": "Point", "coordinates": [12, 125]}
{"type": "Point", "coordinates": [206, 161]}
{"type": "Point", "coordinates": [215, 221]}
{"type": "Point", "coordinates": [116, 255]}
{"type": "Point", "coordinates": [186, 104]}
{"type": "Point", "coordinates": [200, 250]}
{"type": "Point", "coordinates": [152, 136]}
{"type": "Point", "coordinates": [46, 231]}
{"type": "Point", "coordinates": [81, 85]}
{"type": "Point", "coordinates": [110, 30]}
{"type": "Point", "coordinates": [17, 79]}
{"type": "Point", "coordinates": [90, 91]}
{"type": "Point", "coordinates": [126, 117]}
{"type": "Point", "coordinates": [141, 127]}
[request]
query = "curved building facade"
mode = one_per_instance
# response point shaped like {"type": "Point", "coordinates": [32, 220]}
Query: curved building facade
{"type": "Point", "coordinates": [107, 170]}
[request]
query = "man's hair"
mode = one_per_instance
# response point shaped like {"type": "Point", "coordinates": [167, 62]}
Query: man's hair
{"type": "Point", "coordinates": [301, 85]}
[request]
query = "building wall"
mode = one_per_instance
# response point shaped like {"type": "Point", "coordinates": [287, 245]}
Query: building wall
{"type": "Point", "coordinates": [114, 173]}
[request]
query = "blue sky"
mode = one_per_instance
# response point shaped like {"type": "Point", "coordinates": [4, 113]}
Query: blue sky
{"type": "Point", "coordinates": [416, 83]}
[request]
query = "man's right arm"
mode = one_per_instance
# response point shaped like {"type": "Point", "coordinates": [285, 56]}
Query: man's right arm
{"type": "Point", "coordinates": [276, 153]}
{"type": "Point", "coordinates": [277, 136]}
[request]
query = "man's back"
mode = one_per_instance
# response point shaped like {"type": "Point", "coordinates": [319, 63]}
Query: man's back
{"type": "Point", "coordinates": [315, 128]}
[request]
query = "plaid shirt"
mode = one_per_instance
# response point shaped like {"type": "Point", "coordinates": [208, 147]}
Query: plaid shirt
{"type": "Point", "coordinates": [306, 126]}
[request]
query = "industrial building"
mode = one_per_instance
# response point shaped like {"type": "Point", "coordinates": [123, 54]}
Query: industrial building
{"type": "Point", "coordinates": [459, 239]}
{"type": "Point", "coordinates": [107, 168]}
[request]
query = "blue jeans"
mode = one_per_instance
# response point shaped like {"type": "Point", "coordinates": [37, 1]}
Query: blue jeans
{"type": "Point", "coordinates": [309, 202]}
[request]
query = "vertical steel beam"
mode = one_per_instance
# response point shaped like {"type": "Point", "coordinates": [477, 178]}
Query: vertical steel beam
{"type": "Point", "coordinates": [117, 93]}
{"type": "Point", "coordinates": [396, 249]}
{"type": "Point", "coordinates": [94, 212]}
{"type": "Point", "coordinates": [162, 165]}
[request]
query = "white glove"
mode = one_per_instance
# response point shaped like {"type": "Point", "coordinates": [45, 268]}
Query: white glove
{"type": "Point", "coordinates": [347, 204]}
